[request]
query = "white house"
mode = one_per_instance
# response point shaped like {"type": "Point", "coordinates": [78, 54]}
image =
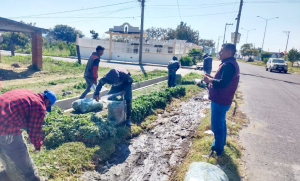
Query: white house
{"type": "Point", "coordinates": [154, 51]}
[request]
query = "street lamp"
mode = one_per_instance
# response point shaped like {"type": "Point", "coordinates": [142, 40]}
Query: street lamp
{"type": "Point", "coordinates": [227, 24]}
{"type": "Point", "coordinates": [247, 33]}
{"type": "Point", "coordinates": [262, 47]}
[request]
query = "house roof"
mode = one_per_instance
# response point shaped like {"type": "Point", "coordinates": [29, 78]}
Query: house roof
{"type": "Point", "coordinates": [15, 26]}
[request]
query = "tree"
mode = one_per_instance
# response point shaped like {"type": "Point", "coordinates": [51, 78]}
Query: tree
{"type": "Point", "coordinates": [94, 35]}
{"type": "Point", "coordinates": [207, 43]}
{"type": "Point", "coordinates": [157, 33]}
{"type": "Point", "coordinates": [196, 55]}
{"type": "Point", "coordinates": [293, 56]}
{"type": "Point", "coordinates": [184, 32]}
{"type": "Point", "coordinates": [265, 55]}
{"type": "Point", "coordinates": [20, 40]}
{"type": "Point", "coordinates": [245, 49]}
{"type": "Point", "coordinates": [65, 33]}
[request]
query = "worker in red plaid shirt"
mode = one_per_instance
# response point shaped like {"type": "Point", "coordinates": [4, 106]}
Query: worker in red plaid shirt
{"type": "Point", "coordinates": [22, 109]}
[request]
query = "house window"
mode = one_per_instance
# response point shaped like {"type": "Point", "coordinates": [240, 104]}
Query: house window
{"type": "Point", "coordinates": [170, 49]}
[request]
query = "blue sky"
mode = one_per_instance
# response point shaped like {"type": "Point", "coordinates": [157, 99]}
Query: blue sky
{"type": "Point", "coordinates": [208, 17]}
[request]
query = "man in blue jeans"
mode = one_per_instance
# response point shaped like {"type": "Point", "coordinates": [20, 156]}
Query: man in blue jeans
{"type": "Point", "coordinates": [221, 92]}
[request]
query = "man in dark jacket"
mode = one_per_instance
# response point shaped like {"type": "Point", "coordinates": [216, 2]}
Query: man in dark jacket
{"type": "Point", "coordinates": [221, 92]}
{"type": "Point", "coordinates": [121, 81]}
{"type": "Point", "coordinates": [91, 70]}
{"type": "Point", "coordinates": [173, 66]}
{"type": "Point", "coordinates": [22, 108]}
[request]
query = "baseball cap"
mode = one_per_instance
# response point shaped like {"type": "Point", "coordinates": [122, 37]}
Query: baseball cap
{"type": "Point", "coordinates": [51, 96]}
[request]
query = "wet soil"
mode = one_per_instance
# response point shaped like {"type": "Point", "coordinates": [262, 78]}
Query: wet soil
{"type": "Point", "coordinates": [153, 155]}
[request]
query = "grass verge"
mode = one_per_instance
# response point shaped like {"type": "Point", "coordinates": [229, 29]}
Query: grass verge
{"type": "Point", "coordinates": [230, 162]}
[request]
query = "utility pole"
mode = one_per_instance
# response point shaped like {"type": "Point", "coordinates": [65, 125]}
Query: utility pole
{"type": "Point", "coordinates": [262, 47]}
{"type": "Point", "coordinates": [218, 44]}
{"type": "Point", "coordinates": [238, 23]}
{"type": "Point", "coordinates": [288, 34]}
{"type": "Point", "coordinates": [227, 24]}
{"type": "Point", "coordinates": [142, 32]}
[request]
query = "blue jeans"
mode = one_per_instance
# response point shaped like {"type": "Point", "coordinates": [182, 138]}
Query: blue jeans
{"type": "Point", "coordinates": [218, 126]}
{"type": "Point", "coordinates": [171, 78]}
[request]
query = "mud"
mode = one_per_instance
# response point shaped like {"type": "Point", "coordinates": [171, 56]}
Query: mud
{"type": "Point", "coordinates": [152, 155]}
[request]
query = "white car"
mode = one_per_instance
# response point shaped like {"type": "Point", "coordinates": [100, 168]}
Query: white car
{"type": "Point", "coordinates": [277, 64]}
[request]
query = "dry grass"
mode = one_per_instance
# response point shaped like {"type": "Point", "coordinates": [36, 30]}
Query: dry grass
{"type": "Point", "coordinates": [230, 161]}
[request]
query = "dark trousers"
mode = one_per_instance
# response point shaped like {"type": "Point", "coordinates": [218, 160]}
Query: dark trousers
{"type": "Point", "coordinates": [171, 78]}
{"type": "Point", "coordinates": [128, 96]}
{"type": "Point", "coordinates": [16, 160]}
{"type": "Point", "coordinates": [89, 83]}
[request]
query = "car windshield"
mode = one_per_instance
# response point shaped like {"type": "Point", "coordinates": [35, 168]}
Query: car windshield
{"type": "Point", "coordinates": [278, 61]}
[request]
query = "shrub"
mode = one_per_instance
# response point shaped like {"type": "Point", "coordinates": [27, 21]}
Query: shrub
{"type": "Point", "coordinates": [186, 61]}
{"type": "Point", "coordinates": [265, 60]}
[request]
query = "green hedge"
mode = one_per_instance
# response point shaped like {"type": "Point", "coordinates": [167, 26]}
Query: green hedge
{"type": "Point", "coordinates": [145, 105]}
{"type": "Point", "coordinates": [186, 61]}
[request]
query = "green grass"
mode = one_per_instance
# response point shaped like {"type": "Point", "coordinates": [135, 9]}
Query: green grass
{"type": "Point", "coordinates": [149, 75]}
{"type": "Point", "coordinates": [230, 161]}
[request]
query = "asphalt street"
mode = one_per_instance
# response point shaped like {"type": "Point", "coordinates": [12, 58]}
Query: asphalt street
{"type": "Point", "coordinates": [272, 140]}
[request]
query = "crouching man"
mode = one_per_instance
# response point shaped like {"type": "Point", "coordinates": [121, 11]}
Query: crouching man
{"type": "Point", "coordinates": [121, 81]}
{"type": "Point", "coordinates": [22, 109]}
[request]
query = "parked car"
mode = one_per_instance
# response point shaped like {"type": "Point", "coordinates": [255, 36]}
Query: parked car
{"type": "Point", "coordinates": [277, 64]}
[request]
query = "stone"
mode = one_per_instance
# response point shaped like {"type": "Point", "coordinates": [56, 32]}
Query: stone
{"type": "Point", "coordinates": [201, 171]}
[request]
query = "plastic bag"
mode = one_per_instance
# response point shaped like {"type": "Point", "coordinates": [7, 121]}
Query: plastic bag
{"type": "Point", "coordinates": [87, 105]}
{"type": "Point", "coordinates": [116, 112]}
{"type": "Point", "coordinates": [178, 79]}
{"type": "Point", "coordinates": [201, 171]}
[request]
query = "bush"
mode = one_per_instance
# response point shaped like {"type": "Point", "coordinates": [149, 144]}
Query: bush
{"type": "Point", "coordinates": [87, 128]}
{"type": "Point", "coordinates": [186, 61]}
{"type": "Point", "coordinates": [265, 55]}
{"type": "Point", "coordinates": [265, 60]}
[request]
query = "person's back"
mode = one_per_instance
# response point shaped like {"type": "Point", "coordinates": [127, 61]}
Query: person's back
{"type": "Point", "coordinates": [16, 107]}
{"type": "Point", "coordinates": [88, 73]}
{"type": "Point", "coordinates": [173, 66]}
{"type": "Point", "coordinates": [207, 64]}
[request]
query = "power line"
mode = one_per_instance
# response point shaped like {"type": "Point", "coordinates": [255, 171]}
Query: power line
{"type": "Point", "coordinates": [70, 11]}
{"type": "Point", "coordinates": [193, 5]}
{"type": "Point", "coordinates": [193, 15]}
{"type": "Point", "coordinates": [179, 10]}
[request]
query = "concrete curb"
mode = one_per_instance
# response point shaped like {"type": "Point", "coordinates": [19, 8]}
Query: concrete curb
{"type": "Point", "coordinates": [65, 104]}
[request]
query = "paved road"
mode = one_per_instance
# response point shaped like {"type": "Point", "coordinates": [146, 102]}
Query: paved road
{"type": "Point", "coordinates": [272, 140]}
{"type": "Point", "coordinates": [112, 64]}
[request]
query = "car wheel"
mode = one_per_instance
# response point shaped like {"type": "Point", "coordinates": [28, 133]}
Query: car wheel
{"type": "Point", "coordinates": [270, 69]}
{"type": "Point", "coordinates": [285, 71]}
{"type": "Point", "coordinates": [266, 68]}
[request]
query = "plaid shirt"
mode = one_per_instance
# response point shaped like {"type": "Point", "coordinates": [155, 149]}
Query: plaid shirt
{"type": "Point", "coordinates": [22, 109]}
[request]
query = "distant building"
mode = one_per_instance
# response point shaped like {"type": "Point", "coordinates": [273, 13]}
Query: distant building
{"type": "Point", "coordinates": [154, 51]}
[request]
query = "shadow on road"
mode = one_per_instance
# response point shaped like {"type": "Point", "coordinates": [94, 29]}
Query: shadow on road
{"type": "Point", "coordinates": [289, 82]}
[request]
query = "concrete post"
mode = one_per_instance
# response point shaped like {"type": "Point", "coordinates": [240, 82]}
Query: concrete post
{"type": "Point", "coordinates": [110, 46]}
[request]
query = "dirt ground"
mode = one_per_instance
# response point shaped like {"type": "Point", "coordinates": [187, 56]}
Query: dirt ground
{"type": "Point", "coordinates": [153, 155]}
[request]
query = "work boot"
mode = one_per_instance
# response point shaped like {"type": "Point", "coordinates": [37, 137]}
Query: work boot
{"type": "Point", "coordinates": [128, 123]}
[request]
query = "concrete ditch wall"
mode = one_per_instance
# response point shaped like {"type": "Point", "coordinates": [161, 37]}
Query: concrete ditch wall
{"type": "Point", "coordinates": [65, 104]}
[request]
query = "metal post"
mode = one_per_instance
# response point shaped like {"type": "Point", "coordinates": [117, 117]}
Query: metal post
{"type": "Point", "coordinates": [225, 31]}
{"type": "Point", "coordinates": [262, 47]}
{"type": "Point", "coordinates": [218, 43]}
{"type": "Point", "coordinates": [141, 33]}
{"type": "Point", "coordinates": [288, 34]}
{"type": "Point", "coordinates": [238, 23]}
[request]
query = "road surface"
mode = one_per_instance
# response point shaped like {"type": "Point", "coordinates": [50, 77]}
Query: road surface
{"type": "Point", "coordinates": [272, 140]}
